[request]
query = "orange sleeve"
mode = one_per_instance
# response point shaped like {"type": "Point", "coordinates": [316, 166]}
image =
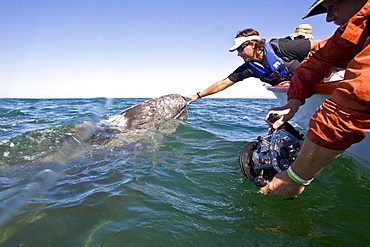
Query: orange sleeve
{"type": "Point", "coordinates": [334, 52]}
{"type": "Point", "coordinates": [344, 118]}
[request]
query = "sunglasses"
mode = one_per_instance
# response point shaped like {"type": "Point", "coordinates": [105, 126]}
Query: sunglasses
{"type": "Point", "coordinates": [240, 48]}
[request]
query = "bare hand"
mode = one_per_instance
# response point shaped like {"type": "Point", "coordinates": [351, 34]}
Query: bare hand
{"type": "Point", "coordinates": [282, 186]}
{"type": "Point", "coordinates": [192, 98]}
{"type": "Point", "coordinates": [286, 112]}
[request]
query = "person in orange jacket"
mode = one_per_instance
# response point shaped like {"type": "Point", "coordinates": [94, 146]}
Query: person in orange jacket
{"type": "Point", "coordinates": [344, 118]}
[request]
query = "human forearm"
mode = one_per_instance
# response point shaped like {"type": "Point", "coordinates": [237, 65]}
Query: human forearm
{"type": "Point", "coordinates": [217, 87]}
{"type": "Point", "coordinates": [312, 159]}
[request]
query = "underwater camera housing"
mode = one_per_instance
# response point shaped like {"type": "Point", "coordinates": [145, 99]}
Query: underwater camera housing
{"type": "Point", "coordinates": [260, 161]}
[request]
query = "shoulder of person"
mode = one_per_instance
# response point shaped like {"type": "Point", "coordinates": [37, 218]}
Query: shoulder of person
{"type": "Point", "coordinates": [276, 43]}
{"type": "Point", "coordinates": [290, 41]}
{"type": "Point", "coordinates": [288, 45]}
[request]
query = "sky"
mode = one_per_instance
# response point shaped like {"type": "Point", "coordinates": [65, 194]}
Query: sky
{"type": "Point", "coordinates": [135, 49]}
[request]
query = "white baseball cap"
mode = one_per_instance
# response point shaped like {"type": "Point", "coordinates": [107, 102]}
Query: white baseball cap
{"type": "Point", "coordinates": [240, 40]}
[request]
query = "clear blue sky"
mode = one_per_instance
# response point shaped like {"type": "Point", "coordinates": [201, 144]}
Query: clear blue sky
{"type": "Point", "coordinates": [140, 48]}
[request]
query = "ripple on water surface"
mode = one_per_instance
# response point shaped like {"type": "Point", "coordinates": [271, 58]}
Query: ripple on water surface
{"type": "Point", "coordinates": [177, 184]}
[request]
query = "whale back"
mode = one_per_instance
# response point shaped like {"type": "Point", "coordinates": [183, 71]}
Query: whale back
{"type": "Point", "coordinates": [172, 106]}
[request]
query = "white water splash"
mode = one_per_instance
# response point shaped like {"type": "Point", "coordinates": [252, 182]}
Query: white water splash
{"type": "Point", "coordinates": [16, 197]}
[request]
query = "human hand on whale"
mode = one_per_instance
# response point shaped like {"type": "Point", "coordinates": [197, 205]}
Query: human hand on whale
{"type": "Point", "coordinates": [192, 98]}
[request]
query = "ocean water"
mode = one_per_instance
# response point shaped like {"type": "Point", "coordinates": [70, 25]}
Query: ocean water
{"type": "Point", "coordinates": [171, 184]}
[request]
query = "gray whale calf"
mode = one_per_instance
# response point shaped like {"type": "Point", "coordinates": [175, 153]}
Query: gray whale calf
{"type": "Point", "coordinates": [141, 121]}
{"type": "Point", "coordinates": [171, 106]}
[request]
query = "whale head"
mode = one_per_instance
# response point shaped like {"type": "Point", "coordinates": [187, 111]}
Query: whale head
{"type": "Point", "coordinates": [172, 106]}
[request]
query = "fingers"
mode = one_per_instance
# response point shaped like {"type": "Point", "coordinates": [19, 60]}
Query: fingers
{"type": "Point", "coordinates": [284, 112]}
{"type": "Point", "coordinates": [278, 123]}
{"type": "Point", "coordinates": [264, 190]}
{"type": "Point", "coordinates": [267, 190]}
{"type": "Point", "coordinates": [282, 186]}
{"type": "Point", "coordinates": [267, 118]}
{"type": "Point", "coordinates": [191, 98]}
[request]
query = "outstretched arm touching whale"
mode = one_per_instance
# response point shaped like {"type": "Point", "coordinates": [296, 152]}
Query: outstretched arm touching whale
{"type": "Point", "coordinates": [215, 88]}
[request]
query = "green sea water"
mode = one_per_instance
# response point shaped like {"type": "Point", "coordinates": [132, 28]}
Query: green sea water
{"type": "Point", "coordinates": [173, 184]}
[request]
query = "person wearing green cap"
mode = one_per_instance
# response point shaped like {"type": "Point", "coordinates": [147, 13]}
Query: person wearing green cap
{"type": "Point", "coordinates": [344, 118]}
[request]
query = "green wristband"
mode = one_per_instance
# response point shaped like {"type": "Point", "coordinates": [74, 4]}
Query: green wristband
{"type": "Point", "coordinates": [296, 178]}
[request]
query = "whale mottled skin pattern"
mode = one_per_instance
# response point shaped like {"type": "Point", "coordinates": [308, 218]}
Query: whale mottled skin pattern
{"type": "Point", "coordinates": [172, 106]}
